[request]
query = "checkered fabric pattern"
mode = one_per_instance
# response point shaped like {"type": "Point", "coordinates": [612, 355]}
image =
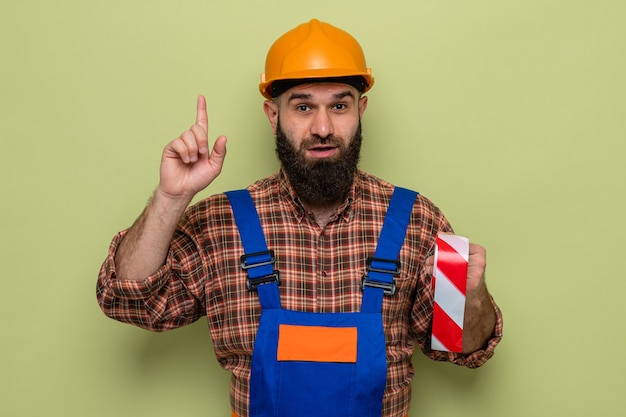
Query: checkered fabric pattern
{"type": "Point", "coordinates": [321, 270]}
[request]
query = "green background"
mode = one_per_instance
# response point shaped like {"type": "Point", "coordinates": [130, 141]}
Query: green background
{"type": "Point", "coordinates": [510, 115]}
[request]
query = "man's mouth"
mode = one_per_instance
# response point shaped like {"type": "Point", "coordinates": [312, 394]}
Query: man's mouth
{"type": "Point", "coordinates": [322, 151]}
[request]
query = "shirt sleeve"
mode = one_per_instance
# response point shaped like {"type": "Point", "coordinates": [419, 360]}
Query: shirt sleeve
{"type": "Point", "coordinates": [169, 298]}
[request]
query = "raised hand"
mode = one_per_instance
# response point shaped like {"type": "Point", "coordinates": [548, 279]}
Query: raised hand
{"type": "Point", "coordinates": [187, 167]}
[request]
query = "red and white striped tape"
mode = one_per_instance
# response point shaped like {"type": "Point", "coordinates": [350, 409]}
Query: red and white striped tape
{"type": "Point", "coordinates": [449, 280]}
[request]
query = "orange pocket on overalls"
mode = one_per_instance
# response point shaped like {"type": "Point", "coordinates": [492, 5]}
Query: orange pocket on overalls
{"type": "Point", "coordinates": [317, 343]}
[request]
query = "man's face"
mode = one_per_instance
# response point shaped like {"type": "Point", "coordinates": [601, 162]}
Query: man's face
{"type": "Point", "coordinates": [318, 138]}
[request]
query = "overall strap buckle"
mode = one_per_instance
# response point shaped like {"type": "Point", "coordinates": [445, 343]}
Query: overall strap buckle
{"type": "Point", "coordinates": [385, 265]}
{"type": "Point", "coordinates": [262, 259]}
{"type": "Point", "coordinates": [379, 266]}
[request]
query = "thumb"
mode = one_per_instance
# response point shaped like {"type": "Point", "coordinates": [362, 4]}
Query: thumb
{"type": "Point", "coordinates": [218, 153]}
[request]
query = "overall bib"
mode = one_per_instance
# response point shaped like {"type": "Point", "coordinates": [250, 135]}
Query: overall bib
{"type": "Point", "coordinates": [319, 364]}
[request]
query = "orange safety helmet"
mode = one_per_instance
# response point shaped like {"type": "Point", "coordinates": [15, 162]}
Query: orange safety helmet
{"type": "Point", "coordinates": [314, 50]}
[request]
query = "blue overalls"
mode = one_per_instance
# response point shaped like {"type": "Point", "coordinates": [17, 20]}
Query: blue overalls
{"type": "Point", "coordinates": [319, 364]}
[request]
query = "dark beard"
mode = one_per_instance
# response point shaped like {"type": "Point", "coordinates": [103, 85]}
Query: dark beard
{"type": "Point", "coordinates": [319, 182]}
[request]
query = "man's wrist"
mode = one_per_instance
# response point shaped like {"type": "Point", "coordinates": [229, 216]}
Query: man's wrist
{"type": "Point", "coordinates": [177, 202]}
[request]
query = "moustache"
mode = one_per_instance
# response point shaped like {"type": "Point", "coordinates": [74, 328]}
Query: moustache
{"type": "Point", "coordinates": [316, 141]}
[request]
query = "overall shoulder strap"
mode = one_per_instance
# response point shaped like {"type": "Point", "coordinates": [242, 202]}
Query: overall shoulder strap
{"type": "Point", "coordinates": [384, 265]}
{"type": "Point", "coordinates": [257, 260]}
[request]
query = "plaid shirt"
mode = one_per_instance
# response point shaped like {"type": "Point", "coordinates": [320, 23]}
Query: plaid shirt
{"type": "Point", "coordinates": [321, 270]}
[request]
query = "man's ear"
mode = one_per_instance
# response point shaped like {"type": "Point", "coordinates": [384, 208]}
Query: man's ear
{"type": "Point", "coordinates": [362, 105]}
{"type": "Point", "coordinates": [271, 111]}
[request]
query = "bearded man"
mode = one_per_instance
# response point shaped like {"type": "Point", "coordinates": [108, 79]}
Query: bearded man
{"type": "Point", "coordinates": [286, 271]}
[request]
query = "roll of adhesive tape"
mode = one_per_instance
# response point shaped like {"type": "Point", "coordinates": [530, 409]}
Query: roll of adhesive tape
{"type": "Point", "coordinates": [449, 279]}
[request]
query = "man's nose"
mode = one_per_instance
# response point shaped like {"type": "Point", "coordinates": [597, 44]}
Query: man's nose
{"type": "Point", "coordinates": [322, 124]}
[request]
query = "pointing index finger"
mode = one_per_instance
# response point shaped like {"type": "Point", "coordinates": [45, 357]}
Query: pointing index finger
{"type": "Point", "coordinates": [201, 115]}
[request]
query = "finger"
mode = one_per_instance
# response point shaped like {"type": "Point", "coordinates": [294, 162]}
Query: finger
{"type": "Point", "coordinates": [201, 114]}
{"type": "Point", "coordinates": [219, 151]}
{"type": "Point", "coordinates": [178, 149]}
{"type": "Point", "coordinates": [202, 141]}
{"type": "Point", "coordinates": [477, 256]}
{"type": "Point", "coordinates": [429, 265]}
{"type": "Point", "coordinates": [189, 139]}
{"type": "Point", "coordinates": [476, 249]}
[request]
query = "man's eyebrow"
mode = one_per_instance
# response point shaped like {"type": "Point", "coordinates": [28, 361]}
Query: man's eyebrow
{"type": "Point", "coordinates": [347, 93]}
{"type": "Point", "coordinates": [306, 96]}
{"type": "Point", "coordinates": [299, 96]}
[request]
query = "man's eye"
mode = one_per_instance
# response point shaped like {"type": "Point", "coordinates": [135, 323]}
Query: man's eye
{"type": "Point", "coordinates": [340, 106]}
{"type": "Point", "coordinates": [302, 107]}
